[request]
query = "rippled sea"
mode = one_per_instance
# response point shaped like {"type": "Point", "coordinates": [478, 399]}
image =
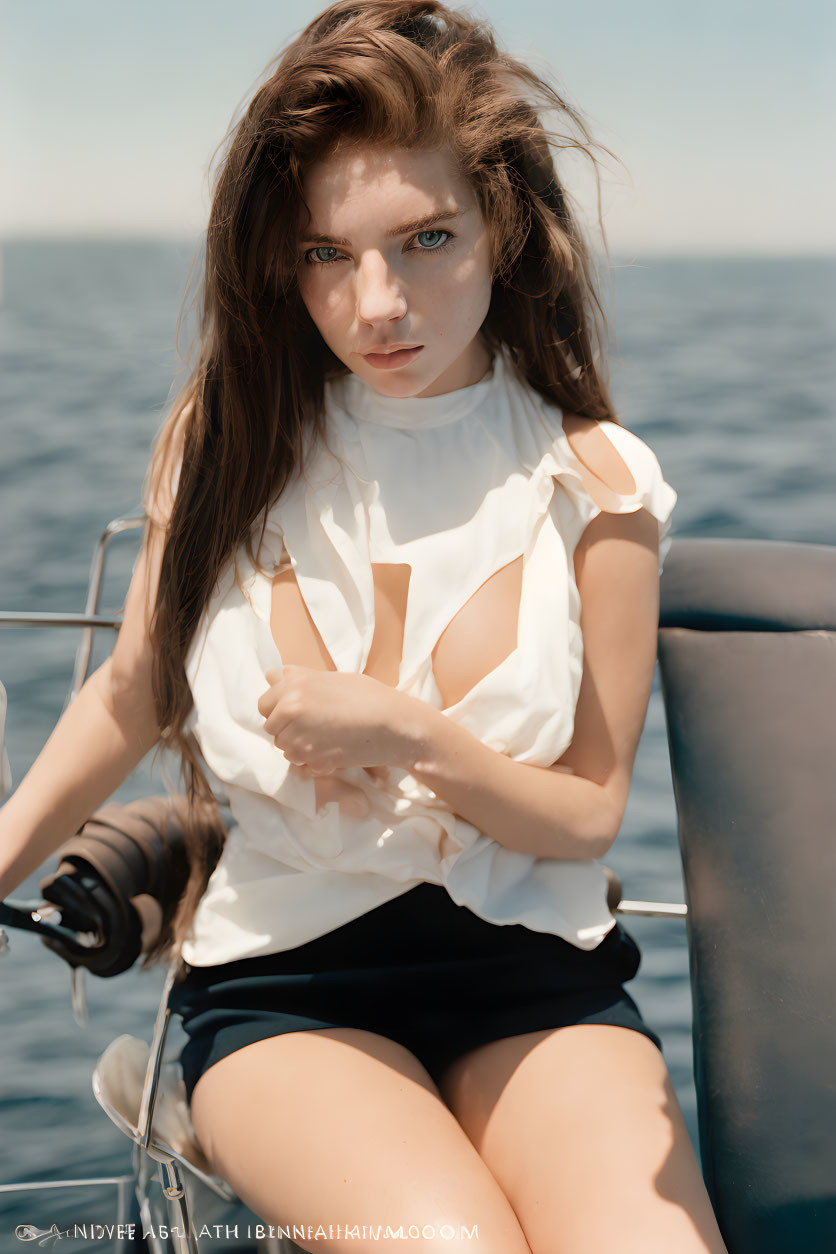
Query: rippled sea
{"type": "Point", "coordinates": [724, 365]}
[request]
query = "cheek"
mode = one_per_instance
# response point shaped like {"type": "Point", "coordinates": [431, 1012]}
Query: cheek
{"type": "Point", "coordinates": [325, 301]}
{"type": "Point", "coordinates": [470, 286]}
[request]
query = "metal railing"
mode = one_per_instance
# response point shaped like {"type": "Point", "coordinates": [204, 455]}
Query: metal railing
{"type": "Point", "coordinates": [90, 618]}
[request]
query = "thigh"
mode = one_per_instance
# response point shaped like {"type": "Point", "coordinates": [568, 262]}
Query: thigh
{"type": "Point", "coordinates": [582, 1129]}
{"type": "Point", "coordinates": [340, 1126]}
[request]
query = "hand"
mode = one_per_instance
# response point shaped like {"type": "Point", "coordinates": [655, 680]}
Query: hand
{"type": "Point", "coordinates": [324, 721]}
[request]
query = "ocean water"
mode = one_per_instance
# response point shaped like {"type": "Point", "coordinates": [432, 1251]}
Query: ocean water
{"type": "Point", "coordinates": [724, 365]}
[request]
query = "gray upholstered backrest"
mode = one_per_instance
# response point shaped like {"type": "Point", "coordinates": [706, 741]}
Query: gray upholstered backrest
{"type": "Point", "coordinates": [747, 655]}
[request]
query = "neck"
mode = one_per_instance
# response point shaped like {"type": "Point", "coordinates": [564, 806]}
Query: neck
{"type": "Point", "coordinates": [359, 399]}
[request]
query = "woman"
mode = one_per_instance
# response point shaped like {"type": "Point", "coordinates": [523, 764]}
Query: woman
{"type": "Point", "coordinates": [375, 512]}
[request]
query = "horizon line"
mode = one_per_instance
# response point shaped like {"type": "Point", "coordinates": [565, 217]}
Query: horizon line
{"type": "Point", "coordinates": [620, 253]}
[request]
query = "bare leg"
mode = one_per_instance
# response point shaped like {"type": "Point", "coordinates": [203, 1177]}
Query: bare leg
{"type": "Point", "coordinates": [342, 1126]}
{"type": "Point", "coordinates": [581, 1127]}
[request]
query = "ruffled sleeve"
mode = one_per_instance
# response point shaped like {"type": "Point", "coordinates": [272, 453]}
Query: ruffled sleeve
{"type": "Point", "coordinates": [585, 495]}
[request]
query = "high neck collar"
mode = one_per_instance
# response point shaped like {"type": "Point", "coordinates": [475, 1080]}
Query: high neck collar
{"type": "Point", "coordinates": [359, 399]}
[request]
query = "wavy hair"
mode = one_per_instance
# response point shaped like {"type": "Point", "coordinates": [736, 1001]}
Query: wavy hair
{"type": "Point", "coordinates": [392, 72]}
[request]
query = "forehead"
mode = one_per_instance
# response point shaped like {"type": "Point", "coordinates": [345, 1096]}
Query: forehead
{"type": "Point", "coordinates": [349, 183]}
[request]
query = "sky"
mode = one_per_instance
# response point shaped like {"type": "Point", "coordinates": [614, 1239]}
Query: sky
{"type": "Point", "coordinates": [720, 114]}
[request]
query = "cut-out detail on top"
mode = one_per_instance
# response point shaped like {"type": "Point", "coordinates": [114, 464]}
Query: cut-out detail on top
{"type": "Point", "coordinates": [299, 641]}
{"type": "Point", "coordinates": [585, 493]}
{"type": "Point", "coordinates": [391, 592]}
{"type": "Point", "coordinates": [480, 636]}
{"type": "Point", "coordinates": [606, 475]}
{"type": "Point", "coordinates": [294, 631]}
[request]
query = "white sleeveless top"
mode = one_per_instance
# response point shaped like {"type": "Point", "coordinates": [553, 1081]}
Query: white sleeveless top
{"type": "Point", "coordinates": [456, 486]}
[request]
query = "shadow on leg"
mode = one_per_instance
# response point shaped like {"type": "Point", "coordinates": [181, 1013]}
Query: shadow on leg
{"type": "Point", "coordinates": [582, 1129]}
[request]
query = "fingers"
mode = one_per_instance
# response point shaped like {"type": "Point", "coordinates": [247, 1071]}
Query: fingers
{"type": "Point", "coordinates": [377, 772]}
{"type": "Point", "coordinates": [309, 772]}
{"type": "Point", "coordinates": [274, 674]}
{"type": "Point", "coordinates": [266, 703]}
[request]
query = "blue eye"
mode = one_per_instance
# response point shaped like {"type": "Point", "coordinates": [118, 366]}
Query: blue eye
{"type": "Point", "coordinates": [433, 241]}
{"type": "Point", "coordinates": [432, 245]}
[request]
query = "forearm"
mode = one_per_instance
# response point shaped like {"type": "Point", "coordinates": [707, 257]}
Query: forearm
{"type": "Point", "coordinates": [529, 809]}
{"type": "Point", "coordinates": [90, 753]}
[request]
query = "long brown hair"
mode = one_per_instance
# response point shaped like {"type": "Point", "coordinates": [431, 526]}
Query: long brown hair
{"type": "Point", "coordinates": [396, 72]}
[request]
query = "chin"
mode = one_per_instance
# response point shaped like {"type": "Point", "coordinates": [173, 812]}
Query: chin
{"type": "Point", "coordinates": [398, 383]}
{"type": "Point", "coordinates": [400, 388]}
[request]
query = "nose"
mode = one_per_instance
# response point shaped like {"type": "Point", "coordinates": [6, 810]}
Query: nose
{"type": "Point", "coordinates": [380, 296]}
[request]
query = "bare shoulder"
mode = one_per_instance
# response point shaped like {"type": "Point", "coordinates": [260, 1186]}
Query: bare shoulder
{"type": "Point", "coordinates": [589, 441]}
{"type": "Point", "coordinates": [164, 467]}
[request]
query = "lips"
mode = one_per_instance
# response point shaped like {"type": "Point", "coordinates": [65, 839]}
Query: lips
{"type": "Point", "coordinates": [381, 350]}
{"type": "Point", "coordinates": [391, 357]}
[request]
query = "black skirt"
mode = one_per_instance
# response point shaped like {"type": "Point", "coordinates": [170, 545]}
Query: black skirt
{"type": "Point", "coordinates": [418, 969]}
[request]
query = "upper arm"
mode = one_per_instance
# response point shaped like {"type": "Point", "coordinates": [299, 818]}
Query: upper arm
{"type": "Point", "coordinates": [131, 661]}
{"type": "Point", "coordinates": [616, 571]}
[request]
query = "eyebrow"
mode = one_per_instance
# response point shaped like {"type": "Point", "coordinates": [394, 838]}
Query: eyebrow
{"type": "Point", "coordinates": [405, 228]}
